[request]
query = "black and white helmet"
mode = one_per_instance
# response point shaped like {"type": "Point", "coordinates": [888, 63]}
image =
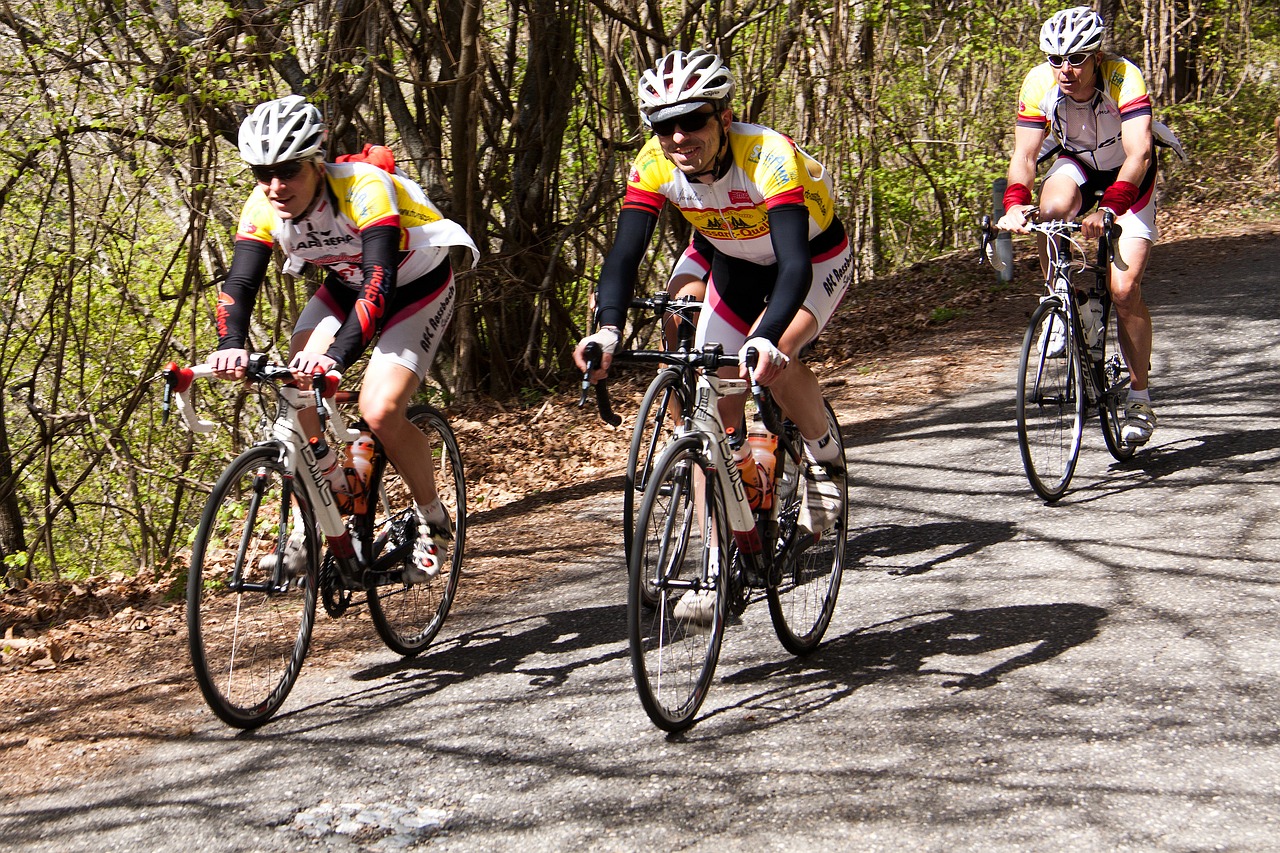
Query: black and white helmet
{"type": "Point", "coordinates": [681, 82]}
{"type": "Point", "coordinates": [1075, 30]}
{"type": "Point", "coordinates": [285, 129]}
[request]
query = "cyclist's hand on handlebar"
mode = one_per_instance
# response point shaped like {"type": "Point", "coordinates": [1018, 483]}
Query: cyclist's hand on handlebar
{"type": "Point", "coordinates": [228, 363]}
{"type": "Point", "coordinates": [608, 338]}
{"type": "Point", "coordinates": [1016, 218]}
{"type": "Point", "coordinates": [1093, 226]}
{"type": "Point", "coordinates": [772, 361]}
{"type": "Point", "coordinates": [308, 364]}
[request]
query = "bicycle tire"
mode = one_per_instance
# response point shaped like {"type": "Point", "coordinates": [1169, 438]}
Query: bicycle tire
{"type": "Point", "coordinates": [1114, 380]}
{"type": "Point", "coordinates": [803, 600]}
{"type": "Point", "coordinates": [1050, 405]}
{"type": "Point", "coordinates": [654, 425]}
{"type": "Point", "coordinates": [684, 546]}
{"type": "Point", "coordinates": [408, 616]}
{"type": "Point", "coordinates": [247, 645]}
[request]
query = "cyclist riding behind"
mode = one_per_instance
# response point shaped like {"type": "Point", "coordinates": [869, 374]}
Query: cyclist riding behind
{"type": "Point", "coordinates": [778, 258]}
{"type": "Point", "coordinates": [384, 248]}
{"type": "Point", "coordinates": [1096, 109]}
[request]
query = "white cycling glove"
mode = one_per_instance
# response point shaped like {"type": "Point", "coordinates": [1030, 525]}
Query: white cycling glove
{"type": "Point", "coordinates": [766, 348]}
{"type": "Point", "coordinates": [608, 338]}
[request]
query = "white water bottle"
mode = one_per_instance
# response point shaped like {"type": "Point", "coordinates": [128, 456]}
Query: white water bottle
{"type": "Point", "coordinates": [361, 455]}
{"type": "Point", "coordinates": [327, 462]}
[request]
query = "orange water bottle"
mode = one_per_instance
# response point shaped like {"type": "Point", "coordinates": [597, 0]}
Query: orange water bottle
{"type": "Point", "coordinates": [764, 447]}
{"type": "Point", "coordinates": [746, 467]}
{"type": "Point", "coordinates": [361, 456]}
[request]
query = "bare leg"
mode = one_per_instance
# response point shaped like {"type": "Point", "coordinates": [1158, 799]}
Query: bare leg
{"type": "Point", "coordinates": [1133, 320]}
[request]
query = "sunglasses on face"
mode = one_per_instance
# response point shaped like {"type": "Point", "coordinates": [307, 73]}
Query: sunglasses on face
{"type": "Point", "coordinates": [285, 171]}
{"type": "Point", "coordinates": [1075, 60]}
{"type": "Point", "coordinates": [687, 123]}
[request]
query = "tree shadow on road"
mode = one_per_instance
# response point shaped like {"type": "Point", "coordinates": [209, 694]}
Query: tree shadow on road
{"type": "Point", "coordinates": [957, 538]}
{"type": "Point", "coordinates": [994, 641]}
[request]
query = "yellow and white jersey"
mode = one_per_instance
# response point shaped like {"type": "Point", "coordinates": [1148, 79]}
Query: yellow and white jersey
{"type": "Point", "coordinates": [768, 170]}
{"type": "Point", "coordinates": [1088, 130]}
{"type": "Point", "coordinates": [358, 196]}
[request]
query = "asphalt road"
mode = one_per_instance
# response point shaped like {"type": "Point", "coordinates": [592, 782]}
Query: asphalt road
{"type": "Point", "coordinates": [1103, 674]}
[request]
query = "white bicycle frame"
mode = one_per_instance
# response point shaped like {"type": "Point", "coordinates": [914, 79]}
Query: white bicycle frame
{"type": "Point", "coordinates": [287, 432]}
{"type": "Point", "coordinates": [704, 421]}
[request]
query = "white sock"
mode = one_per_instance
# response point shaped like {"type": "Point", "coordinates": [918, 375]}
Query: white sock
{"type": "Point", "coordinates": [823, 449]}
{"type": "Point", "coordinates": [1144, 395]}
{"type": "Point", "coordinates": [433, 512]}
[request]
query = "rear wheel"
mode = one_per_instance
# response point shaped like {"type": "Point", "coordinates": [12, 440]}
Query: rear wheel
{"type": "Point", "coordinates": [409, 615]}
{"type": "Point", "coordinates": [802, 602]}
{"type": "Point", "coordinates": [1115, 382]}
{"type": "Point", "coordinates": [1050, 404]}
{"type": "Point", "coordinates": [682, 554]}
{"type": "Point", "coordinates": [660, 412]}
{"type": "Point", "coordinates": [251, 589]}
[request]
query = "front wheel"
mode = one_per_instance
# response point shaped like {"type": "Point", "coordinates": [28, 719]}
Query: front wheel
{"type": "Point", "coordinates": [1051, 402]}
{"type": "Point", "coordinates": [251, 589]}
{"type": "Point", "coordinates": [660, 412]}
{"type": "Point", "coordinates": [682, 556]}
{"type": "Point", "coordinates": [802, 602]}
{"type": "Point", "coordinates": [408, 615]}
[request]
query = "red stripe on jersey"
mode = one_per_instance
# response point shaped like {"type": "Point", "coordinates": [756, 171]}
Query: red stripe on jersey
{"type": "Point", "coordinates": [792, 196]}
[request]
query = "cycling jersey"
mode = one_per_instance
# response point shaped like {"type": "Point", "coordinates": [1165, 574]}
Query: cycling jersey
{"type": "Point", "coordinates": [1090, 130]}
{"type": "Point", "coordinates": [357, 202]}
{"type": "Point", "coordinates": [768, 169]}
{"type": "Point", "coordinates": [768, 183]}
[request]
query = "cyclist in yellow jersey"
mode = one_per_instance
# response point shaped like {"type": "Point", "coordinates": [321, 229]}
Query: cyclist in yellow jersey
{"type": "Point", "coordinates": [776, 257]}
{"type": "Point", "coordinates": [1094, 110]}
{"type": "Point", "coordinates": [384, 248]}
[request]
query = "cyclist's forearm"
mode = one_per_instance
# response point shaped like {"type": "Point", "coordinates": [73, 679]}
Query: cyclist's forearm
{"type": "Point", "coordinates": [789, 233]}
{"type": "Point", "coordinates": [618, 275]}
{"type": "Point", "coordinates": [249, 262]}
{"type": "Point", "coordinates": [380, 254]}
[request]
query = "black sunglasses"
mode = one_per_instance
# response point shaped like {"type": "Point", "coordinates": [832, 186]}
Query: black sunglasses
{"type": "Point", "coordinates": [285, 171]}
{"type": "Point", "coordinates": [1075, 60]}
{"type": "Point", "coordinates": [687, 123]}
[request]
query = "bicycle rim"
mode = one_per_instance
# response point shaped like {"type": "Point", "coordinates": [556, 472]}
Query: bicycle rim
{"type": "Point", "coordinates": [1115, 381]}
{"type": "Point", "coordinates": [248, 623]}
{"type": "Point", "coordinates": [679, 550]}
{"type": "Point", "coordinates": [408, 616]}
{"type": "Point", "coordinates": [1050, 406]}
{"type": "Point", "coordinates": [802, 602]}
{"type": "Point", "coordinates": [659, 414]}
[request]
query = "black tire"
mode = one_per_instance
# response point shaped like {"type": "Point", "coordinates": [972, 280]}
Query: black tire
{"type": "Point", "coordinates": [682, 546]}
{"type": "Point", "coordinates": [659, 414]}
{"type": "Point", "coordinates": [802, 602]}
{"type": "Point", "coordinates": [249, 623]}
{"type": "Point", "coordinates": [1115, 385]}
{"type": "Point", "coordinates": [409, 615]}
{"type": "Point", "coordinates": [1050, 406]}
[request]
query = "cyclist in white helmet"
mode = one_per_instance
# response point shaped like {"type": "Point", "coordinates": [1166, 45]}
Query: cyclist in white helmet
{"type": "Point", "coordinates": [1094, 111]}
{"type": "Point", "coordinates": [383, 247]}
{"type": "Point", "coordinates": [774, 254]}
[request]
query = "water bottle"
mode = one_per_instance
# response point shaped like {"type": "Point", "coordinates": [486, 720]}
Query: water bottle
{"type": "Point", "coordinates": [764, 448]}
{"type": "Point", "coordinates": [361, 455]}
{"type": "Point", "coordinates": [329, 464]}
{"type": "Point", "coordinates": [1091, 317]}
{"type": "Point", "coordinates": [746, 467]}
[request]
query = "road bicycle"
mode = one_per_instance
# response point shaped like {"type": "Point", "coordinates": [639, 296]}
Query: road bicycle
{"type": "Point", "coordinates": [257, 562]}
{"type": "Point", "coordinates": [700, 549]}
{"type": "Point", "coordinates": [1071, 365]}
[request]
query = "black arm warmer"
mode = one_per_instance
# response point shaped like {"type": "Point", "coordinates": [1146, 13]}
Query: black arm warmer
{"type": "Point", "coordinates": [249, 262]}
{"type": "Point", "coordinates": [618, 275]}
{"type": "Point", "coordinates": [380, 258]}
{"type": "Point", "coordinates": [789, 233]}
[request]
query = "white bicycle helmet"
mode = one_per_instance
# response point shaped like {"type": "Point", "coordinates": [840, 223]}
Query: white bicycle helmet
{"type": "Point", "coordinates": [284, 129]}
{"type": "Point", "coordinates": [1075, 30]}
{"type": "Point", "coordinates": [681, 82]}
